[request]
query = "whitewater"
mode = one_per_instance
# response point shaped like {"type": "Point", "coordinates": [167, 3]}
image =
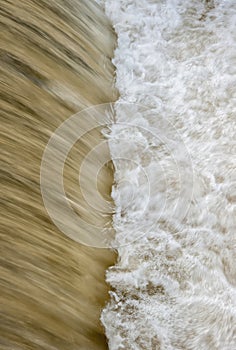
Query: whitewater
{"type": "Point", "coordinates": [173, 147]}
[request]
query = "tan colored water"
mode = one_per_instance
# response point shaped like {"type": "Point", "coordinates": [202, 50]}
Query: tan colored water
{"type": "Point", "coordinates": [55, 61]}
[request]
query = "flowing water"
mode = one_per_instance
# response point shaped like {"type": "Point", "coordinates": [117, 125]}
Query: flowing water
{"type": "Point", "coordinates": [55, 61]}
{"type": "Point", "coordinates": [173, 147]}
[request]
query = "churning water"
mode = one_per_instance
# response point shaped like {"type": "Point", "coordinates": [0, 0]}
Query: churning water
{"type": "Point", "coordinates": [173, 146]}
{"type": "Point", "coordinates": [173, 149]}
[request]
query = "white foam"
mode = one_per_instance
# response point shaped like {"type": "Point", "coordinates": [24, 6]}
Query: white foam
{"type": "Point", "coordinates": [175, 287]}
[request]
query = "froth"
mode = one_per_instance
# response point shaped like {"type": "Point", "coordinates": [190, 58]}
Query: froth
{"type": "Point", "coordinates": [174, 284]}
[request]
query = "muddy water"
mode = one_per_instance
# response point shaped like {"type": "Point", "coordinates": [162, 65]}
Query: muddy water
{"type": "Point", "coordinates": [55, 61]}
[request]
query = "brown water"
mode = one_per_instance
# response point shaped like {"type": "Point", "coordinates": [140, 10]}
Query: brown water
{"type": "Point", "coordinates": [55, 61]}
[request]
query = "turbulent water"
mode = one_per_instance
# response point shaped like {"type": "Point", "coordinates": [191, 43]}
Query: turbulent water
{"type": "Point", "coordinates": [173, 146]}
